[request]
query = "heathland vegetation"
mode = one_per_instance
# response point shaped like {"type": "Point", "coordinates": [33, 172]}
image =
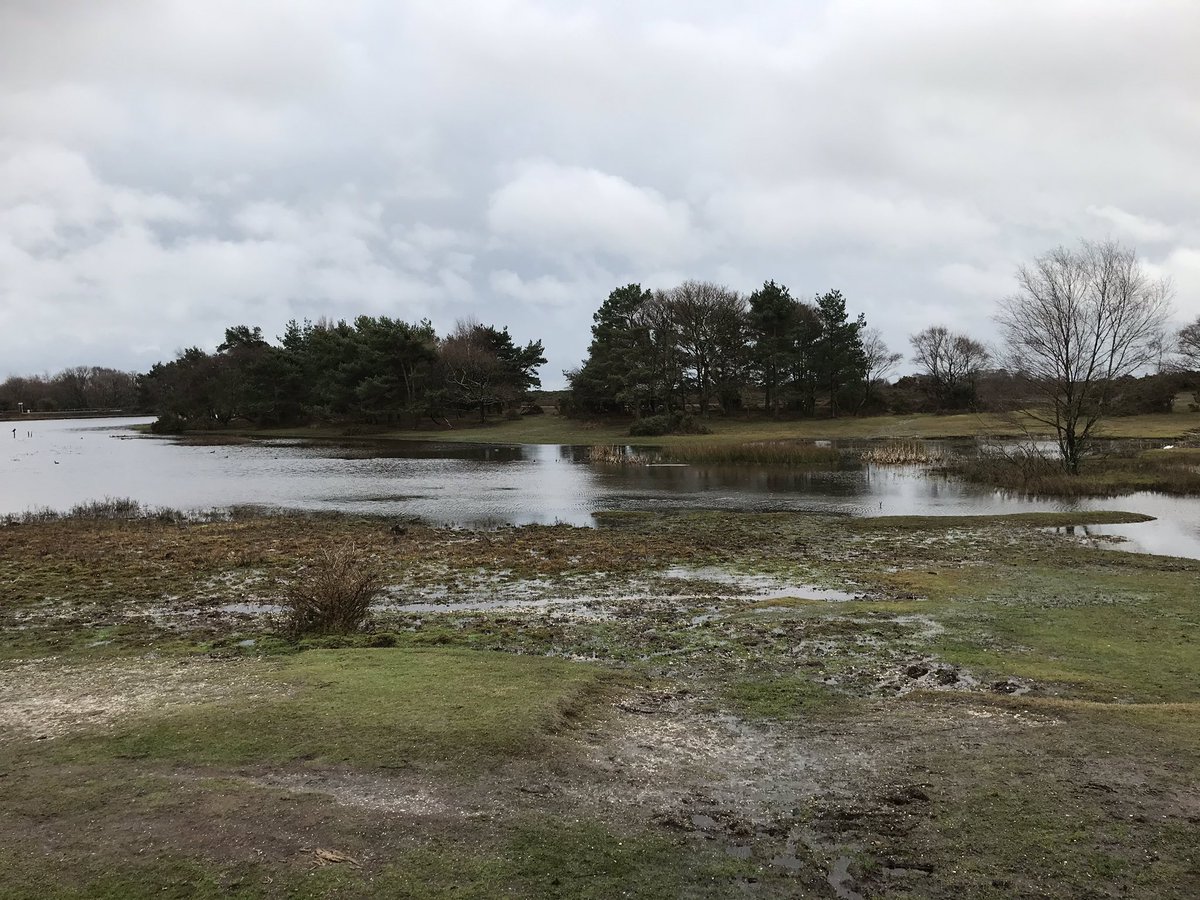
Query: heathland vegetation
{"type": "Point", "coordinates": [668, 705]}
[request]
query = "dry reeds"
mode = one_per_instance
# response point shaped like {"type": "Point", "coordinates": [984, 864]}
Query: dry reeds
{"type": "Point", "coordinates": [765, 453]}
{"type": "Point", "coordinates": [110, 509]}
{"type": "Point", "coordinates": [902, 453]}
{"type": "Point", "coordinates": [617, 456]}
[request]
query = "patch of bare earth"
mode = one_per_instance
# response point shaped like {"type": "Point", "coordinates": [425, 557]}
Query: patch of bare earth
{"type": "Point", "coordinates": [46, 698]}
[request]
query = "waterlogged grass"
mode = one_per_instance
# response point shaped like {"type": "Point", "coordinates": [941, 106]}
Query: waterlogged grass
{"type": "Point", "coordinates": [1013, 520]}
{"type": "Point", "coordinates": [1091, 634]}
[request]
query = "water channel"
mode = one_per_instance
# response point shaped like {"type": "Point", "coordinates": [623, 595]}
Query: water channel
{"type": "Point", "coordinates": [56, 464]}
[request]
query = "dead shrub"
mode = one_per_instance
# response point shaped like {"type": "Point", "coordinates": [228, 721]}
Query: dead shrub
{"type": "Point", "coordinates": [333, 594]}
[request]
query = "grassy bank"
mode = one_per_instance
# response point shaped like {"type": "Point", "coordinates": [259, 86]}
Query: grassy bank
{"type": "Point", "coordinates": [702, 704]}
{"type": "Point", "coordinates": [1175, 471]}
{"type": "Point", "coordinates": [554, 429]}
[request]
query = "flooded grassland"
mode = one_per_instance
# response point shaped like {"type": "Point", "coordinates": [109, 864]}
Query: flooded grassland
{"type": "Point", "coordinates": [673, 703]}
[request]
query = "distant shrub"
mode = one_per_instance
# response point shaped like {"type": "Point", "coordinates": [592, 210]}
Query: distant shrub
{"type": "Point", "coordinates": [673, 423]}
{"type": "Point", "coordinates": [333, 594]}
{"type": "Point", "coordinates": [169, 423]}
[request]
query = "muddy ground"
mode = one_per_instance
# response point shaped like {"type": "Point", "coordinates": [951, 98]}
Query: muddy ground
{"type": "Point", "coordinates": [669, 705]}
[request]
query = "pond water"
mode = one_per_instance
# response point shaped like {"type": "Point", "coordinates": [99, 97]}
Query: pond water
{"type": "Point", "coordinates": [58, 463]}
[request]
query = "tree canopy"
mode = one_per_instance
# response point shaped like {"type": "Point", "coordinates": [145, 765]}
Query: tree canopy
{"type": "Point", "coordinates": [375, 370]}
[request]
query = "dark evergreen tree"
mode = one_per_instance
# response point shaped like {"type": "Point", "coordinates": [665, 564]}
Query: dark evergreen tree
{"type": "Point", "coordinates": [839, 359]}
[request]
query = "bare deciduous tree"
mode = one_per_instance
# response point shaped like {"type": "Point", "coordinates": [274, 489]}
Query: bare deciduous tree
{"type": "Point", "coordinates": [1080, 320]}
{"type": "Point", "coordinates": [952, 362]}
{"type": "Point", "coordinates": [1187, 342]}
{"type": "Point", "coordinates": [709, 324]}
{"type": "Point", "coordinates": [878, 361]}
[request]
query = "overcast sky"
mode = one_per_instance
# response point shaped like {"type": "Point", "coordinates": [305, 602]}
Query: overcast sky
{"type": "Point", "coordinates": [171, 167]}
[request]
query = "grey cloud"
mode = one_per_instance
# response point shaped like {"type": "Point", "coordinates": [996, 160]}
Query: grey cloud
{"type": "Point", "coordinates": [169, 167]}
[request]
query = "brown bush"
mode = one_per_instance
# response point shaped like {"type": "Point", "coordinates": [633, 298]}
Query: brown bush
{"type": "Point", "coordinates": [333, 594]}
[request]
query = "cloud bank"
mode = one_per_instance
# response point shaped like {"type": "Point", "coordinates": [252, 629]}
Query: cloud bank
{"type": "Point", "coordinates": [168, 168]}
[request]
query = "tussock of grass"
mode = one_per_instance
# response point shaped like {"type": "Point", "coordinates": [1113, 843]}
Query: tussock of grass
{"type": "Point", "coordinates": [616, 455]}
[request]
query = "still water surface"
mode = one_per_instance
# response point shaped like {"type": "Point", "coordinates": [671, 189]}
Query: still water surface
{"type": "Point", "coordinates": [66, 462]}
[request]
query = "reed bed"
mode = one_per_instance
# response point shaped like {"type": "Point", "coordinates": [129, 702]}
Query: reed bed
{"type": "Point", "coordinates": [765, 453]}
{"type": "Point", "coordinates": [902, 453]}
{"type": "Point", "coordinates": [1102, 477]}
{"type": "Point", "coordinates": [110, 509]}
{"type": "Point", "coordinates": [614, 455]}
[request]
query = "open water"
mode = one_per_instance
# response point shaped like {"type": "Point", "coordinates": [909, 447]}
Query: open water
{"type": "Point", "coordinates": [58, 463]}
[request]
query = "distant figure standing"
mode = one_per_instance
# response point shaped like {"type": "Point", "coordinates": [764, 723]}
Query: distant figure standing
{"type": "Point", "coordinates": [14, 434]}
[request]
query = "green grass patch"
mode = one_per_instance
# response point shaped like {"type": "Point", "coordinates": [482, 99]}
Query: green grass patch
{"type": "Point", "coordinates": [372, 708]}
{"type": "Point", "coordinates": [1102, 635]}
{"type": "Point", "coordinates": [555, 859]}
{"type": "Point", "coordinates": [541, 857]}
{"type": "Point", "coordinates": [554, 429]}
{"type": "Point", "coordinates": [781, 698]}
{"type": "Point", "coordinates": [1025, 520]}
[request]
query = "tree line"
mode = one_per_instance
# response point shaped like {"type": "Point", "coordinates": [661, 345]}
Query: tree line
{"type": "Point", "coordinates": [80, 388]}
{"type": "Point", "coordinates": [1081, 326]}
{"type": "Point", "coordinates": [374, 370]}
{"type": "Point", "coordinates": [704, 348]}
{"type": "Point", "coordinates": [700, 346]}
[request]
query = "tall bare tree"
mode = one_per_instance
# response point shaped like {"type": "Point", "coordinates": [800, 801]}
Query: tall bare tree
{"type": "Point", "coordinates": [709, 321]}
{"type": "Point", "coordinates": [878, 361]}
{"type": "Point", "coordinates": [1081, 319]}
{"type": "Point", "coordinates": [1187, 342]}
{"type": "Point", "coordinates": [952, 362]}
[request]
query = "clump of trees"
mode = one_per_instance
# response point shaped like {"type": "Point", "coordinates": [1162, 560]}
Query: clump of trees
{"type": "Point", "coordinates": [78, 388]}
{"type": "Point", "coordinates": [701, 346]}
{"type": "Point", "coordinates": [951, 364]}
{"type": "Point", "coordinates": [374, 371]}
{"type": "Point", "coordinates": [1187, 343]}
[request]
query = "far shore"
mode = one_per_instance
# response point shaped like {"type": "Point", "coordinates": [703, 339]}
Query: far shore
{"type": "Point", "coordinates": [555, 429]}
{"type": "Point", "coordinates": [13, 416]}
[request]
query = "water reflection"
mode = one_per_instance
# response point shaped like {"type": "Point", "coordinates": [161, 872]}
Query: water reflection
{"type": "Point", "coordinates": [71, 461]}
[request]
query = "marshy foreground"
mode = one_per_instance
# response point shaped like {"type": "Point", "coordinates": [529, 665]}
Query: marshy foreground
{"type": "Point", "coordinates": [673, 704]}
